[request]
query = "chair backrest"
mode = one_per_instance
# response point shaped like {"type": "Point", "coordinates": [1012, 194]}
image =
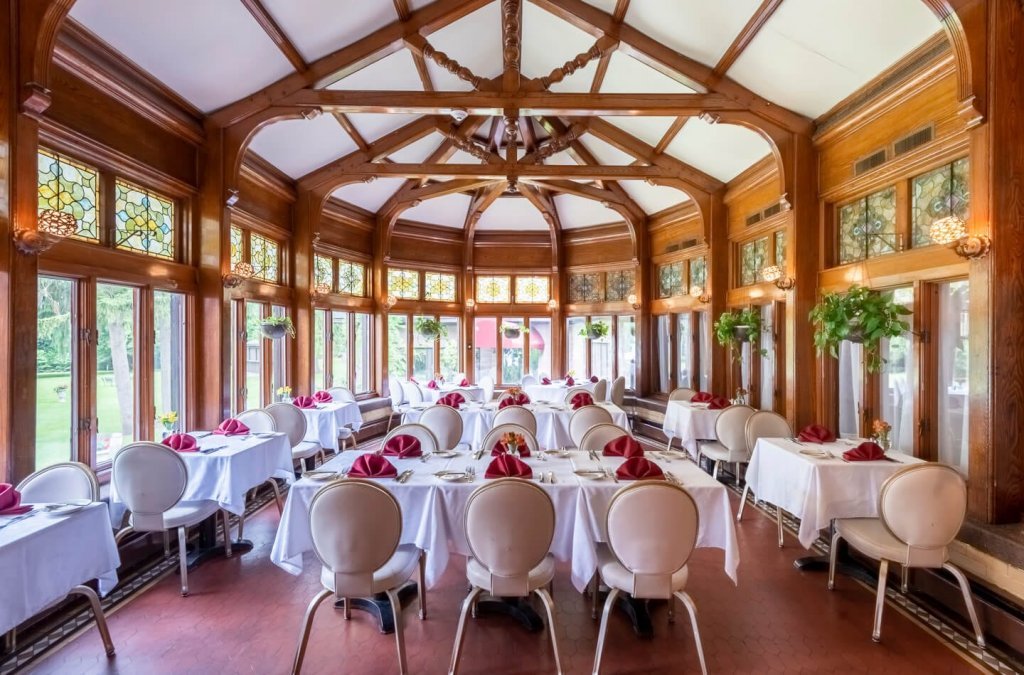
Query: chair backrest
{"type": "Point", "coordinates": [150, 479]}
{"type": "Point", "coordinates": [529, 380]}
{"type": "Point", "coordinates": [59, 483]}
{"type": "Point", "coordinates": [572, 391]}
{"type": "Point", "coordinates": [258, 421]}
{"type": "Point", "coordinates": [765, 424]}
{"type": "Point", "coordinates": [618, 393]}
{"type": "Point", "coordinates": [466, 394]}
{"type": "Point", "coordinates": [445, 423]}
{"type": "Point", "coordinates": [352, 549]}
{"type": "Point", "coordinates": [290, 420]}
{"type": "Point", "coordinates": [517, 414]}
{"type": "Point", "coordinates": [459, 377]}
{"type": "Point", "coordinates": [601, 390]}
{"type": "Point", "coordinates": [682, 394]}
{"type": "Point", "coordinates": [412, 393]}
{"type": "Point", "coordinates": [426, 437]}
{"type": "Point", "coordinates": [652, 529]}
{"type": "Point", "coordinates": [498, 430]}
{"type": "Point", "coordinates": [924, 506]}
{"type": "Point", "coordinates": [600, 435]}
{"type": "Point", "coordinates": [584, 419]}
{"type": "Point", "coordinates": [731, 425]}
{"type": "Point", "coordinates": [395, 391]}
{"type": "Point", "coordinates": [341, 394]}
{"type": "Point", "coordinates": [487, 384]}
{"type": "Point", "coordinates": [509, 547]}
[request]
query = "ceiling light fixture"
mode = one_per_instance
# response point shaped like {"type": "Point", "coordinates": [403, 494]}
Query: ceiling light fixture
{"type": "Point", "coordinates": [552, 305]}
{"type": "Point", "coordinates": [633, 300]}
{"type": "Point", "coordinates": [390, 302]}
{"type": "Point", "coordinates": [697, 292]}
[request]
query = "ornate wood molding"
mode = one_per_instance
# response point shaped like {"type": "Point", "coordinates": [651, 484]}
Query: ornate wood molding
{"type": "Point", "coordinates": [451, 65]}
{"type": "Point", "coordinates": [512, 41]}
{"type": "Point", "coordinates": [580, 61]}
{"type": "Point", "coordinates": [559, 143]}
{"type": "Point", "coordinates": [460, 142]}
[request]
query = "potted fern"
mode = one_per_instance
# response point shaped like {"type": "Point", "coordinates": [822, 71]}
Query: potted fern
{"type": "Point", "coordinates": [431, 329]}
{"type": "Point", "coordinates": [595, 330]}
{"type": "Point", "coordinates": [858, 315]}
{"type": "Point", "coordinates": [511, 331]}
{"type": "Point", "coordinates": [276, 327]}
{"type": "Point", "coordinates": [735, 327]}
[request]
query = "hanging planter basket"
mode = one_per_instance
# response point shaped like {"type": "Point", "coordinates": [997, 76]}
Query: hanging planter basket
{"type": "Point", "coordinates": [430, 329]}
{"type": "Point", "coordinates": [594, 331]}
{"type": "Point", "coordinates": [856, 333]}
{"type": "Point", "coordinates": [742, 333]}
{"type": "Point", "coordinates": [273, 332]}
{"type": "Point", "coordinates": [512, 333]}
{"type": "Point", "coordinates": [276, 328]}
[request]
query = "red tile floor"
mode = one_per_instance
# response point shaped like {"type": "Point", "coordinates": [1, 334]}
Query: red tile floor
{"type": "Point", "coordinates": [243, 617]}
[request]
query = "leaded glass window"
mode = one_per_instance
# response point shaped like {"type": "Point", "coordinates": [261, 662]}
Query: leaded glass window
{"type": "Point", "coordinates": [404, 284]}
{"type": "Point", "coordinates": [323, 270]}
{"type": "Point", "coordinates": [867, 227]}
{"type": "Point", "coordinates": [144, 222]}
{"type": "Point", "coordinates": [236, 246]}
{"type": "Point", "coordinates": [439, 286]}
{"type": "Point", "coordinates": [533, 289]}
{"type": "Point", "coordinates": [670, 280]}
{"type": "Point", "coordinates": [752, 258]}
{"type": "Point", "coordinates": [698, 272]}
{"type": "Point", "coordinates": [944, 192]}
{"type": "Point", "coordinates": [69, 187]}
{"type": "Point", "coordinates": [619, 285]}
{"type": "Point", "coordinates": [494, 289]}
{"type": "Point", "coordinates": [585, 288]}
{"type": "Point", "coordinates": [351, 278]}
{"type": "Point", "coordinates": [265, 257]}
{"type": "Point", "coordinates": [780, 249]}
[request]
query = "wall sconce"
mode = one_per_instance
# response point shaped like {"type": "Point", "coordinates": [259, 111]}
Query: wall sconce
{"type": "Point", "coordinates": [951, 231]}
{"type": "Point", "coordinates": [52, 227]}
{"type": "Point", "coordinates": [633, 301]}
{"type": "Point", "coordinates": [390, 302]}
{"type": "Point", "coordinates": [320, 290]}
{"type": "Point", "coordinates": [697, 292]}
{"type": "Point", "coordinates": [773, 274]}
{"type": "Point", "coordinates": [552, 305]}
{"type": "Point", "coordinates": [470, 304]}
{"type": "Point", "coordinates": [239, 273]}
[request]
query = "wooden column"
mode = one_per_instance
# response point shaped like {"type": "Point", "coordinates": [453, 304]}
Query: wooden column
{"type": "Point", "coordinates": [718, 273]}
{"type": "Point", "coordinates": [307, 217]}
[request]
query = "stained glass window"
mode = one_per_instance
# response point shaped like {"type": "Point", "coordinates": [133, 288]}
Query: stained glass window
{"type": "Point", "coordinates": [351, 278]}
{"type": "Point", "coordinates": [439, 286]}
{"type": "Point", "coordinates": [144, 222]}
{"type": "Point", "coordinates": [937, 194]}
{"type": "Point", "coordinates": [698, 273]}
{"type": "Point", "coordinates": [867, 227]}
{"type": "Point", "coordinates": [780, 249]}
{"type": "Point", "coordinates": [404, 284]}
{"type": "Point", "coordinates": [72, 191]}
{"type": "Point", "coordinates": [585, 288]}
{"type": "Point", "coordinates": [323, 270]}
{"type": "Point", "coordinates": [236, 246]}
{"type": "Point", "coordinates": [533, 289]}
{"type": "Point", "coordinates": [494, 289]}
{"type": "Point", "coordinates": [752, 258]}
{"type": "Point", "coordinates": [619, 285]}
{"type": "Point", "coordinates": [265, 256]}
{"type": "Point", "coordinates": [670, 280]}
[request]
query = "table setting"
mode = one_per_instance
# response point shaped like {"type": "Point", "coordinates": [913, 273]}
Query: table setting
{"type": "Point", "coordinates": [553, 391]}
{"type": "Point", "coordinates": [690, 421]}
{"type": "Point", "coordinates": [325, 417]}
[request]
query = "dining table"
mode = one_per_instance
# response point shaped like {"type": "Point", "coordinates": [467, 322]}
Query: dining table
{"type": "Point", "coordinates": [325, 421]}
{"type": "Point", "coordinates": [689, 422]}
{"type": "Point", "coordinates": [475, 392]}
{"type": "Point", "coordinates": [556, 390]}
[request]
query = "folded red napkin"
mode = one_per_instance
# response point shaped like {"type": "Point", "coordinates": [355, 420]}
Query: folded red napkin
{"type": "Point", "coordinates": [501, 449]}
{"type": "Point", "coordinates": [454, 400]}
{"type": "Point", "coordinates": [372, 465]}
{"type": "Point", "coordinates": [464, 383]}
{"type": "Point", "coordinates": [402, 446]}
{"type": "Point", "coordinates": [545, 380]}
{"type": "Point", "coordinates": [623, 446]}
{"type": "Point", "coordinates": [10, 501]}
{"type": "Point", "coordinates": [718, 402]}
{"type": "Point", "coordinates": [232, 427]}
{"type": "Point", "coordinates": [639, 468]}
{"type": "Point", "coordinates": [569, 382]}
{"type": "Point", "coordinates": [514, 399]}
{"type": "Point", "coordinates": [322, 397]}
{"type": "Point", "coordinates": [581, 399]}
{"type": "Point", "coordinates": [815, 433]}
{"type": "Point", "coordinates": [432, 385]}
{"type": "Point", "coordinates": [865, 452]}
{"type": "Point", "coordinates": [505, 465]}
{"type": "Point", "coordinates": [702, 397]}
{"type": "Point", "coordinates": [181, 443]}
{"type": "Point", "coordinates": [594, 378]}
{"type": "Point", "coordinates": [304, 402]}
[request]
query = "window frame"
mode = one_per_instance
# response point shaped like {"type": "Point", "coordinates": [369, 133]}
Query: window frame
{"type": "Point", "coordinates": [410, 339]}
{"type": "Point", "coordinates": [352, 354]}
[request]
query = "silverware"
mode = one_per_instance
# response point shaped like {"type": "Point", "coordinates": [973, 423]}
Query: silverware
{"type": "Point", "coordinates": [611, 474]}
{"type": "Point", "coordinates": [207, 451]}
{"type": "Point", "coordinates": [18, 518]}
{"type": "Point", "coordinates": [424, 458]}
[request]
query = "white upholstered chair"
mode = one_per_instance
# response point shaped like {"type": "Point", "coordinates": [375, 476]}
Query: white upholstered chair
{"type": "Point", "coordinates": [731, 446]}
{"type": "Point", "coordinates": [584, 419]}
{"type": "Point", "coordinates": [428, 441]}
{"type": "Point", "coordinates": [345, 435]}
{"type": "Point", "coordinates": [572, 391]}
{"type": "Point", "coordinates": [600, 435]}
{"type": "Point", "coordinates": [617, 395]}
{"type": "Point", "coordinates": [399, 405]}
{"type": "Point", "coordinates": [682, 394]}
{"type": "Point", "coordinates": [764, 424]}
{"type": "Point", "coordinates": [151, 479]}
{"type": "Point", "coordinates": [529, 380]}
{"type": "Point", "coordinates": [509, 557]}
{"type": "Point", "coordinates": [498, 430]}
{"type": "Point", "coordinates": [921, 509]}
{"type": "Point", "coordinates": [412, 393]}
{"type": "Point", "coordinates": [517, 414]}
{"type": "Point", "coordinates": [652, 530]}
{"type": "Point", "coordinates": [292, 422]}
{"type": "Point", "coordinates": [360, 556]}
{"type": "Point", "coordinates": [257, 420]}
{"type": "Point", "coordinates": [59, 483]}
{"type": "Point", "coordinates": [342, 394]}
{"type": "Point", "coordinates": [601, 390]}
{"type": "Point", "coordinates": [487, 384]}
{"type": "Point", "coordinates": [446, 424]}
{"type": "Point", "coordinates": [466, 394]}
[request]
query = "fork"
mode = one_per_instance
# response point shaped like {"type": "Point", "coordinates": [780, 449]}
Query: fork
{"type": "Point", "coordinates": [611, 474]}
{"type": "Point", "coordinates": [424, 458]}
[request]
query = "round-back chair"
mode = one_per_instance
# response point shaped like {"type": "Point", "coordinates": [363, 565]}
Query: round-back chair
{"type": "Point", "coordinates": [572, 391]}
{"type": "Point", "coordinates": [618, 392]}
{"type": "Point", "coordinates": [445, 423]}
{"type": "Point", "coordinates": [257, 420]}
{"type": "Point", "coordinates": [517, 414]}
{"type": "Point", "coordinates": [428, 441]}
{"type": "Point", "coordinates": [59, 483]}
{"type": "Point", "coordinates": [601, 390]}
{"type": "Point", "coordinates": [498, 430]}
{"type": "Point", "coordinates": [584, 419]}
{"type": "Point", "coordinates": [601, 435]}
{"type": "Point", "coordinates": [342, 394]}
{"type": "Point", "coordinates": [684, 394]}
{"type": "Point", "coordinates": [731, 446]}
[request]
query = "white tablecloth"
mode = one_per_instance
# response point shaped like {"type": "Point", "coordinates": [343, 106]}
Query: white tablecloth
{"type": "Point", "coordinates": [433, 511]}
{"type": "Point", "coordinates": [43, 557]}
{"type": "Point", "coordinates": [324, 421]}
{"type": "Point", "coordinates": [689, 422]}
{"type": "Point", "coordinates": [552, 422]}
{"type": "Point", "coordinates": [475, 392]}
{"type": "Point", "coordinates": [818, 490]}
{"type": "Point", "coordinates": [554, 392]}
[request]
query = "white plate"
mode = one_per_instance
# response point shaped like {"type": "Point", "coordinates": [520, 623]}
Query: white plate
{"type": "Point", "coordinates": [445, 454]}
{"type": "Point", "coordinates": [452, 476]}
{"type": "Point", "coordinates": [320, 475]}
{"type": "Point", "coordinates": [71, 506]}
{"type": "Point", "coordinates": [591, 474]}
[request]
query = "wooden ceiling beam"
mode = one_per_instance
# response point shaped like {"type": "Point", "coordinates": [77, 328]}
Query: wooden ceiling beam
{"type": "Point", "coordinates": [745, 37]}
{"type": "Point", "coordinates": [276, 34]}
{"type": "Point", "coordinates": [670, 134]}
{"type": "Point", "coordinates": [351, 130]}
{"type": "Point", "coordinates": [619, 14]}
{"type": "Point", "coordinates": [448, 187]}
{"type": "Point", "coordinates": [502, 170]}
{"type": "Point", "coordinates": [402, 10]}
{"type": "Point", "coordinates": [419, 45]}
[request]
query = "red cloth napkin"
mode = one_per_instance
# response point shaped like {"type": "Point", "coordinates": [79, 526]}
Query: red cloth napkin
{"type": "Point", "coordinates": [623, 446]}
{"type": "Point", "coordinates": [505, 465]}
{"type": "Point", "coordinates": [500, 449]}
{"type": "Point", "coordinates": [545, 380]}
{"type": "Point", "coordinates": [372, 465]}
{"type": "Point", "coordinates": [718, 402]}
{"type": "Point", "coordinates": [181, 443]}
{"type": "Point", "coordinates": [10, 501]}
{"type": "Point", "coordinates": [431, 385]}
{"type": "Point", "coordinates": [594, 378]}
{"type": "Point", "coordinates": [581, 399]}
{"type": "Point", "coordinates": [402, 446]}
{"type": "Point", "coordinates": [639, 468]}
{"type": "Point", "coordinates": [304, 402]}
{"type": "Point", "coordinates": [865, 452]}
{"type": "Point", "coordinates": [464, 383]}
{"type": "Point", "coordinates": [232, 427]}
{"type": "Point", "coordinates": [322, 397]}
{"type": "Point", "coordinates": [454, 400]}
{"type": "Point", "coordinates": [515, 399]}
{"type": "Point", "coordinates": [569, 382]}
{"type": "Point", "coordinates": [702, 397]}
{"type": "Point", "coordinates": [815, 433]}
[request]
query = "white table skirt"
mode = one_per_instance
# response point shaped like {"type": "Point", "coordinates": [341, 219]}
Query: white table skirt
{"type": "Point", "coordinates": [554, 392]}
{"type": "Point", "coordinates": [476, 393]}
{"type": "Point", "coordinates": [818, 490]}
{"type": "Point", "coordinates": [689, 423]}
{"type": "Point", "coordinates": [433, 512]}
{"type": "Point", "coordinates": [552, 423]}
{"type": "Point", "coordinates": [324, 422]}
{"type": "Point", "coordinates": [43, 557]}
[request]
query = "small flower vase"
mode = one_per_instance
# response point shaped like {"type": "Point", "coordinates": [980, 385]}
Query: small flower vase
{"type": "Point", "coordinates": [513, 449]}
{"type": "Point", "coordinates": [883, 441]}
{"type": "Point", "coordinates": [166, 432]}
{"type": "Point", "coordinates": [285, 398]}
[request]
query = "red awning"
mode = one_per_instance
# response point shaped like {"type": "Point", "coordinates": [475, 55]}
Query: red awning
{"type": "Point", "coordinates": [484, 334]}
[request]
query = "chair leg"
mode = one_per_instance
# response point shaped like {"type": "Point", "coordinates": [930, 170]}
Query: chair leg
{"type": "Point", "coordinates": [307, 622]}
{"type": "Point", "coordinates": [277, 496]}
{"type": "Point", "coordinates": [668, 445]}
{"type": "Point", "coordinates": [595, 586]}
{"type": "Point", "coordinates": [422, 585]}
{"type": "Point", "coordinates": [692, 609]}
{"type": "Point", "coordinates": [457, 648]}
{"type": "Point", "coordinates": [226, 517]}
{"type": "Point", "coordinates": [549, 606]}
{"type": "Point", "coordinates": [904, 579]}
{"type": "Point", "coordinates": [778, 523]}
{"type": "Point", "coordinates": [97, 611]}
{"type": "Point", "coordinates": [833, 553]}
{"type": "Point", "coordinates": [883, 572]}
{"type": "Point", "coordinates": [241, 526]}
{"type": "Point", "coordinates": [167, 543]}
{"type": "Point", "coordinates": [965, 588]}
{"type": "Point", "coordinates": [743, 502]}
{"type": "Point", "coordinates": [391, 419]}
{"type": "Point", "coordinates": [348, 609]}
{"type": "Point", "coordinates": [609, 602]}
{"type": "Point", "coordinates": [119, 537]}
{"type": "Point", "coordinates": [183, 561]}
{"type": "Point", "coordinates": [714, 472]}
{"type": "Point", "coordinates": [737, 474]}
{"type": "Point", "coordinates": [396, 609]}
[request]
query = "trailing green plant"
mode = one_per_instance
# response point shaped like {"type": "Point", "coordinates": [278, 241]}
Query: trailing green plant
{"type": "Point", "coordinates": [859, 315]}
{"type": "Point", "coordinates": [284, 322]}
{"type": "Point", "coordinates": [431, 329]}
{"type": "Point", "coordinates": [594, 330]}
{"type": "Point", "coordinates": [738, 326]}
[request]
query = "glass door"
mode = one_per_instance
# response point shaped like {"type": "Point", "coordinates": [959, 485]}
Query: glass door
{"type": "Point", "coordinates": [116, 395]}
{"type": "Point", "coordinates": [169, 356]}
{"type": "Point", "coordinates": [56, 371]}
